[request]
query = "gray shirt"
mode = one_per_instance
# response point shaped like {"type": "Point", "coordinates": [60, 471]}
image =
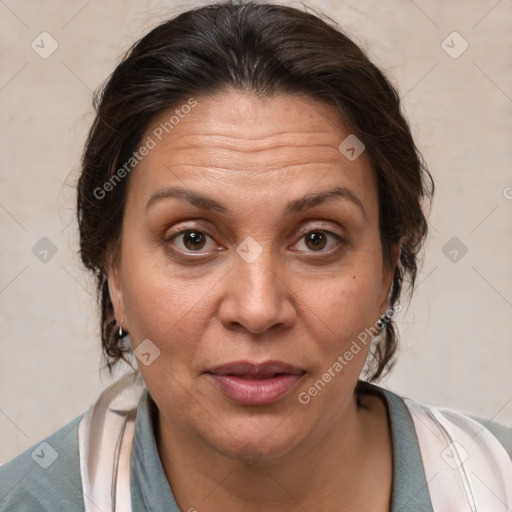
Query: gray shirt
{"type": "Point", "coordinates": [46, 477]}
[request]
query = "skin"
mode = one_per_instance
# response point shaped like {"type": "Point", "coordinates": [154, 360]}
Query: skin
{"type": "Point", "coordinates": [203, 305]}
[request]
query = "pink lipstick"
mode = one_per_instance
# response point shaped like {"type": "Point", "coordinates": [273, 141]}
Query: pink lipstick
{"type": "Point", "coordinates": [256, 383]}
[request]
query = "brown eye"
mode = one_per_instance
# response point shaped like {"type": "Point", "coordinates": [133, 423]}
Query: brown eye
{"type": "Point", "coordinates": [316, 240]}
{"type": "Point", "coordinates": [194, 240]}
{"type": "Point", "coordinates": [189, 240]}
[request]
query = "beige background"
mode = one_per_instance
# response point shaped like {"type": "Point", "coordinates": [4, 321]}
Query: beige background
{"type": "Point", "coordinates": [456, 344]}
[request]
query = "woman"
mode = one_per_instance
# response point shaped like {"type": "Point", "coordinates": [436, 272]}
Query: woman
{"type": "Point", "coordinates": [250, 204]}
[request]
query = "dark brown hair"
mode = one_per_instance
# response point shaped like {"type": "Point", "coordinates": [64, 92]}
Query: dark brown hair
{"type": "Point", "coordinates": [265, 49]}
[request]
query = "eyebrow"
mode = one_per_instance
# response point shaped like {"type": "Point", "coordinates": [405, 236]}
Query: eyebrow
{"type": "Point", "coordinates": [293, 207]}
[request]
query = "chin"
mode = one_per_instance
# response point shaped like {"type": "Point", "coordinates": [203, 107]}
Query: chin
{"type": "Point", "coordinates": [258, 439]}
{"type": "Point", "coordinates": [256, 451]}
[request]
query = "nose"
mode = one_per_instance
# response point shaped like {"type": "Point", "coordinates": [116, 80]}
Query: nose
{"type": "Point", "coordinates": [258, 296]}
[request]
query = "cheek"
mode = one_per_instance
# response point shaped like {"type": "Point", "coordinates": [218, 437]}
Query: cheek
{"type": "Point", "coordinates": [344, 310]}
{"type": "Point", "coordinates": [169, 310]}
{"type": "Point", "coordinates": [349, 298]}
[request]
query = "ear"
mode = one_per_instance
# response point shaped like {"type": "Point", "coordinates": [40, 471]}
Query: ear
{"type": "Point", "coordinates": [116, 292]}
{"type": "Point", "coordinates": [387, 277]}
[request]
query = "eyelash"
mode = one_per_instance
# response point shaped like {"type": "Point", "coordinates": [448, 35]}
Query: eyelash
{"type": "Point", "coordinates": [340, 240]}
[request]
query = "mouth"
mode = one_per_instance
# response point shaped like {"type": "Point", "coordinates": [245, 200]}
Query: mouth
{"type": "Point", "coordinates": [249, 383]}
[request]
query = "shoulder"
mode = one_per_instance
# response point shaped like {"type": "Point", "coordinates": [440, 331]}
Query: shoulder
{"type": "Point", "coordinates": [46, 477]}
{"type": "Point", "coordinates": [502, 433]}
{"type": "Point", "coordinates": [488, 431]}
{"type": "Point", "coordinates": [483, 432]}
{"type": "Point", "coordinates": [462, 458]}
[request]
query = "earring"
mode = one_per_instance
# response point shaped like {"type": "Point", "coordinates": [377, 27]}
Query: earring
{"type": "Point", "coordinates": [381, 322]}
{"type": "Point", "coordinates": [121, 331]}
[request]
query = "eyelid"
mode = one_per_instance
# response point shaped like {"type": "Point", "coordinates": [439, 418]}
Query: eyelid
{"type": "Point", "coordinates": [189, 254]}
{"type": "Point", "coordinates": [192, 225]}
{"type": "Point", "coordinates": [320, 227]}
{"type": "Point", "coordinates": [342, 242]}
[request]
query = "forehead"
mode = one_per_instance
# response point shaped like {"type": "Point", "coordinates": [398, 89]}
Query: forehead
{"type": "Point", "coordinates": [236, 144]}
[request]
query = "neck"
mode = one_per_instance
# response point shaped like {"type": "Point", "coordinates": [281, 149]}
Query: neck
{"type": "Point", "coordinates": [329, 469]}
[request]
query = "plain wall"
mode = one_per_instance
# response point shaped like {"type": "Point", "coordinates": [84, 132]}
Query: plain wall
{"type": "Point", "coordinates": [456, 347]}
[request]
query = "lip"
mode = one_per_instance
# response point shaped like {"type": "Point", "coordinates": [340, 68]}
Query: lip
{"type": "Point", "coordinates": [250, 383]}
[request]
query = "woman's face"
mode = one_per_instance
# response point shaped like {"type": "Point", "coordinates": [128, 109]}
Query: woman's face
{"type": "Point", "coordinates": [276, 276]}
